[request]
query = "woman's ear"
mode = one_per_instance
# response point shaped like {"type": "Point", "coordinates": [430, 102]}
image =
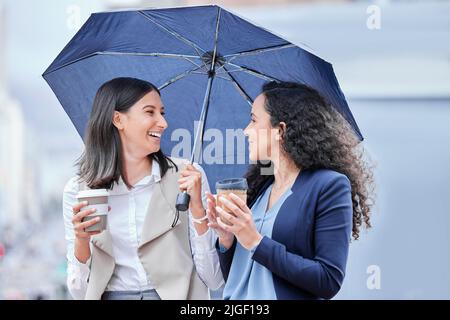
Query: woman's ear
{"type": "Point", "coordinates": [117, 120]}
{"type": "Point", "coordinates": [281, 130]}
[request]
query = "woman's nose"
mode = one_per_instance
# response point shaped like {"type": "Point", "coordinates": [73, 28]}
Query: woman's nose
{"type": "Point", "coordinates": [162, 122]}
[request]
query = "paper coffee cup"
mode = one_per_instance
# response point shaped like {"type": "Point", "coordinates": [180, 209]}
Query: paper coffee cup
{"type": "Point", "coordinates": [238, 186]}
{"type": "Point", "coordinates": [98, 199]}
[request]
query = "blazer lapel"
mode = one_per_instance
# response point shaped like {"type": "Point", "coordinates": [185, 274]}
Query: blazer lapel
{"type": "Point", "coordinates": [160, 215]}
{"type": "Point", "coordinates": [103, 241]}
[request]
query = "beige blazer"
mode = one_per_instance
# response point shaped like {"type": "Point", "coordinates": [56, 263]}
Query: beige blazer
{"type": "Point", "coordinates": [164, 252]}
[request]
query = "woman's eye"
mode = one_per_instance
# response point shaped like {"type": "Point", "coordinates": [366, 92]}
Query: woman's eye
{"type": "Point", "coordinates": [151, 112]}
{"type": "Point", "coordinates": [252, 120]}
{"type": "Point", "coordinates": [163, 113]}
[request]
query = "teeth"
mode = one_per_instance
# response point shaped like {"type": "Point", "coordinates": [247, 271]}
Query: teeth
{"type": "Point", "coordinates": [155, 134]}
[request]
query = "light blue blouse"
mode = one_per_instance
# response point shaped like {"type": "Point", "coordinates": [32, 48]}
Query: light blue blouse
{"type": "Point", "coordinates": [249, 280]}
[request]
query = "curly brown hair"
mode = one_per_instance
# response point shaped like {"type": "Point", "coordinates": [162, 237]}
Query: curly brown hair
{"type": "Point", "coordinates": [317, 137]}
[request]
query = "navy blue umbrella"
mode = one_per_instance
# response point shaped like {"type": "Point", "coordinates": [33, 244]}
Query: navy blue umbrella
{"type": "Point", "coordinates": [209, 65]}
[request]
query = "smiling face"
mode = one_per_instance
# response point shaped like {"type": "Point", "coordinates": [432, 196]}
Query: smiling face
{"type": "Point", "coordinates": [142, 126]}
{"type": "Point", "coordinates": [263, 139]}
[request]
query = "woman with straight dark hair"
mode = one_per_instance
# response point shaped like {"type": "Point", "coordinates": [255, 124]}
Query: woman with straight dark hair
{"type": "Point", "coordinates": [291, 239]}
{"type": "Point", "coordinates": [147, 250]}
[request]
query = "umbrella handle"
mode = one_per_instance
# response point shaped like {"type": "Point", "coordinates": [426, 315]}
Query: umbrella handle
{"type": "Point", "coordinates": [183, 201]}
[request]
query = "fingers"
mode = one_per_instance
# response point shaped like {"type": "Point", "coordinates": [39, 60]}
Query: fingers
{"type": "Point", "coordinates": [213, 225]}
{"type": "Point", "coordinates": [231, 207]}
{"type": "Point", "coordinates": [185, 179]}
{"type": "Point", "coordinates": [188, 186]}
{"type": "Point", "coordinates": [184, 183]}
{"type": "Point", "coordinates": [211, 214]}
{"type": "Point", "coordinates": [229, 217]}
{"type": "Point", "coordinates": [77, 207]}
{"type": "Point", "coordinates": [211, 197]}
{"type": "Point", "coordinates": [240, 203]}
{"type": "Point", "coordinates": [89, 223]}
{"type": "Point", "coordinates": [80, 215]}
{"type": "Point", "coordinates": [212, 221]}
{"type": "Point", "coordinates": [224, 226]}
{"type": "Point", "coordinates": [211, 217]}
{"type": "Point", "coordinates": [211, 206]}
{"type": "Point", "coordinates": [185, 186]}
{"type": "Point", "coordinates": [188, 181]}
{"type": "Point", "coordinates": [93, 233]}
{"type": "Point", "coordinates": [79, 228]}
{"type": "Point", "coordinates": [86, 234]}
{"type": "Point", "coordinates": [190, 167]}
{"type": "Point", "coordinates": [190, 170]}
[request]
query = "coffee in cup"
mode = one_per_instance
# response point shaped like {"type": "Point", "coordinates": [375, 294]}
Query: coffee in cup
{"type": "Point", "coordinates": [238, 186]}
{"type": "Point", "coordinates": [98, 199]}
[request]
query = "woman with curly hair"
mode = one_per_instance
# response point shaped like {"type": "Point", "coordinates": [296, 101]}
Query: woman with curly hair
{"type": "Point", "coordinates": [291, 239]}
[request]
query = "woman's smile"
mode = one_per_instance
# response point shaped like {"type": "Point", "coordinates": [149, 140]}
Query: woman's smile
{"type": "Point", "coordinates": [155, 135]}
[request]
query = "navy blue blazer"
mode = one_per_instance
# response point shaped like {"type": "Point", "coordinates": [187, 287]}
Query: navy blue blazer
{"type": "Point", "coordinates": [308, 251]}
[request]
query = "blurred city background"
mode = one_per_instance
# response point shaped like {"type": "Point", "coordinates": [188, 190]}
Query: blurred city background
{"type": "Point", "coordinates": [392, 59]}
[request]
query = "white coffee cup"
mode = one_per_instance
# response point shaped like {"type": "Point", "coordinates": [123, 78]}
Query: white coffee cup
{"type": "Point", "coordinates": [98, 199]}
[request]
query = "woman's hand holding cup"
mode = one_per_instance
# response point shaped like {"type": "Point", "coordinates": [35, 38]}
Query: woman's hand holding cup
{"type": "Point", "coordinates": [225, 238]}
{"type": "Point", "coordinates": [79, 226]}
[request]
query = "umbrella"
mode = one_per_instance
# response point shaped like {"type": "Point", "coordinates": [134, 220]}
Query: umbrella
{"type": "Point", "coordinates": [209, 65]}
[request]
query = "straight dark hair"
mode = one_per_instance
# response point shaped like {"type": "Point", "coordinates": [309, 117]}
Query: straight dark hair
{"type": "Point", "coordinates": [101, 163]}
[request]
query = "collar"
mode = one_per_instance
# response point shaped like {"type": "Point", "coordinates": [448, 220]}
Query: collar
{"type": "Point", "coordinates": [153, 177]}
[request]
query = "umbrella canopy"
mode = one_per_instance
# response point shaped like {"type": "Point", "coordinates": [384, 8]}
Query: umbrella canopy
{"type": "Point", "coordinates": [208, 63]}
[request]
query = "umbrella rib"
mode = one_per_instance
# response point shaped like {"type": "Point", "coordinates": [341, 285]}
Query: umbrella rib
{"type": "Point", "coordinates": [71, 62]}
{"type": "Point", "coordinates": [260, 50]}
{"type": "Point", "coordinates": [175, 34]}
{"type": "Point", "coordinates": [253, 72]}
{"type": "Point", "coordinates": [223, 78]}
{"type": "Point", "coordinates": [239, 88]}
{"type": "Point", "coordinates": [216, 37]}
{"type": "Point", "coordinates": [152, 54]}
{"type": "Point", "coordinates": [155, 54]}
{"type": "Point", "coordinates": [200, 72]}
{"type": "Point", "coordinates": [178, 77]}
{"type": "Point", "coordinates": [218, 69]}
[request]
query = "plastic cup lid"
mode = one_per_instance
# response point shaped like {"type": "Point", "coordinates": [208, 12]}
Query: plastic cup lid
{"type": "Point", "coordinates": [93, 193]}
{"type": "Point", "coordinates": [235, 183]}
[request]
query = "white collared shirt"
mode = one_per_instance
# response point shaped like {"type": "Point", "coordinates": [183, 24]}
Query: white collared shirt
{"type": "Point", "coordinates": [125, 221]}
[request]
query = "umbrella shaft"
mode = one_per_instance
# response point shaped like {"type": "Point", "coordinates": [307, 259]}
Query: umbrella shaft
{"type": "Point", "coordinates": [201, 126]}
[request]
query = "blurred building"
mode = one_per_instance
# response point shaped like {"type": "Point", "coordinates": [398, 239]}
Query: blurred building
{"type": "Point", "coordinates": [14, 208]}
